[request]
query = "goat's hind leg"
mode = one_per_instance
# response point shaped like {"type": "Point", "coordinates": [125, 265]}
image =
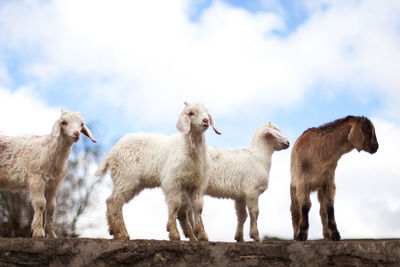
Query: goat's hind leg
{"type": "Point", "coordinates": [120, 195]}
{"type": "Point", "coordinates": [295, 210]}
{"type": "Point", "coordinates": [303, 196]}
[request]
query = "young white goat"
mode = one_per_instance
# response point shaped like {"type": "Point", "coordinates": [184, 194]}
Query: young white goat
{"type": "Point", "coordinates": [313, 162]}
{"type": "Point", "coordinates": [179, 164]}
{"type": "Point", "coordinates": [242, 175]}
{"type": "Point", "coordinates": [39, 164]}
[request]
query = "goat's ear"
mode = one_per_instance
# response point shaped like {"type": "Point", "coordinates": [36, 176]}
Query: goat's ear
{"type": "Point", "coordinates": [86, 131]}
{"type": "Point", "coordinates": [212, 122]}
{"type": "Point", "coordinates": [183, 124]}
{"type": "Point", "coordinates": [267, 133]}
{"type": "Point", "coordinates": [63, 111]}
{"type": "Point", "coordinates": [55, 131]}
{"type": "Point", "coordinates": [356, 136]}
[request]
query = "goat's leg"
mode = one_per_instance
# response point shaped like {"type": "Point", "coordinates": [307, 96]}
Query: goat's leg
{"type": "Point", "coordinates": [173, 196]}
{"type": "Point", "coordinates": [50, 207]}
{"type": "Point", "coordinates": [184, 219]}
{"type": "Point", "coordinates": [327, 205]}
{"type": "Point", "coordinates": [303, 195]}
{"type": "Point", "coordinates": [241, 213]}
{"type": "Point", "coordinates": [322, 213]}
{"type": "Point", "coordinates": [38, 201]}
{"type": "Point", "coordinates": [252, 205]}
{"type": "Point", "coordinates": [119, 196]}
{"type": "Point", "coordinates": [197, 200]}
{"type": "Point", "coordinates": [295, 210]}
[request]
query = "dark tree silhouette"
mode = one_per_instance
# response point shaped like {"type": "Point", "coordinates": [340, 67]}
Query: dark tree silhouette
{"type": "Point", "coordinates": [73, 198]}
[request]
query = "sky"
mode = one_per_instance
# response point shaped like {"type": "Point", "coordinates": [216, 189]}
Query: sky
{"type": "Point", "coordinates": [127, 66]}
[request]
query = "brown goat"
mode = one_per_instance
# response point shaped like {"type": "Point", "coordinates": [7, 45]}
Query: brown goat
{"type": "Point", "coordinates": [313, 162]}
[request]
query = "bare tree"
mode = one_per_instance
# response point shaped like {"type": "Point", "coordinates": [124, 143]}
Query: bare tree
{"type": "Point", "coordinates": [73, 198]}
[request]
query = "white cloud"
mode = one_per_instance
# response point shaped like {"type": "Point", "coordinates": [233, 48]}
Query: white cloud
{"type": "Point", "coordinates": [23, 113]}
{"type": "Point", "coordinates": [151, 54]}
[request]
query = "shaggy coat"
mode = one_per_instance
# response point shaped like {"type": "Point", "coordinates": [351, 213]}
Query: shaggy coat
{"type": "Point", "coordinates": [179, 164]}
{"type": "Point", "coordinates": [313, 162]}
{"type": "Point", "coordinates": [39, 164]}
{"type": "Point", "coordinates": [243, 175]}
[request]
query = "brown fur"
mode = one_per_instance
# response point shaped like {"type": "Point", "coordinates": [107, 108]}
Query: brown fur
{"type": "Point", "coordinates": [313, 162]}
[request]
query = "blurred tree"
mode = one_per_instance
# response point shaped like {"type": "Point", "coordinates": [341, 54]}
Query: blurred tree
{"type": "Point", "coordinates": [73, 198]}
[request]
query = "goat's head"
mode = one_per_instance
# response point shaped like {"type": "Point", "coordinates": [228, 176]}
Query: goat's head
{"type": "Point", "coordinates": [362, 135]}
{"type": "Point", "coordinates": [271, 135]}
{"type": "Point", "coordinates": [195, 118]}
{"type": "Point", "coordinates": [70, 125]}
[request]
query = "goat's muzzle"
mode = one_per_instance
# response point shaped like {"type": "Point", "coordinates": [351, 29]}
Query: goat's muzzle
{"type": "Point", "coordinates": [373, 148]}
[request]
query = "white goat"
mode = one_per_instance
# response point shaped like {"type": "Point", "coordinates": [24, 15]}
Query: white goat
{"type": "Point", "coordinates": [242, 175]}
{"type": "Point", "coordinates": [179, 164]}
{"type": "Point", "coordinates": [39, 164]}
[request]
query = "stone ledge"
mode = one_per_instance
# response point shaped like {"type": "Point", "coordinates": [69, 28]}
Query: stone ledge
{"type": "Point", "coordinates": [106, 252]}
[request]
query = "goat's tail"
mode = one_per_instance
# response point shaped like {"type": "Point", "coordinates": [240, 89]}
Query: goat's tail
{"type": "Point", "coordinates": [103, 167]}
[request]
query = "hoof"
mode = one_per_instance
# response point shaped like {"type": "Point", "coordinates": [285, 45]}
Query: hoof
{"type": "Point", "coordinates": [39, 233]}
{"type": "Point", "coordinates": [301, 236]}
{"type": "Point", "coordinates": [335, 236]}
{"type": "Point", "coordinates": [255, 237]}
{"type": "Point", "coordinates": [239, 237]}
{"type": "Point", "coordinates": [239, 240]}
{"type": "Point", "coordinates": [174, 237]}
{"type": "Point", "coordinates": [203, 237]}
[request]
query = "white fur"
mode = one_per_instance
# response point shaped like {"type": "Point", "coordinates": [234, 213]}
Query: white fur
{"type": "Point", "coordinates": [242, 175]}
{"type": "Point", "coordinates": [39, 164]}
{"type": "Point", "coordinates": [179, 164]}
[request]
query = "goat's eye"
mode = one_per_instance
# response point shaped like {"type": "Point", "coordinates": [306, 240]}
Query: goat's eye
{"type": "Point", "coordinates": [82, 124]}
{"type": "Point", "coordinates": [64, 123]}
{"type": "Point", "coordinates": [191, 113]}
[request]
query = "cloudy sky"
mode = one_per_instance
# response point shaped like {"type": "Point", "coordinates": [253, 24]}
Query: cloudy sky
{"type": "Point", "coordinates": [129, 65]}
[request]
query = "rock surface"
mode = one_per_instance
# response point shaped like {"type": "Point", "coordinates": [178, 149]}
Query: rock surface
{"type": "Point", "coordinates": [104, 252]}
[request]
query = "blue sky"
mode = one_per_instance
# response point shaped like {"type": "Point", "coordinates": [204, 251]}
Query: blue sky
{"type": "Point", "coordinates": [129, 65]}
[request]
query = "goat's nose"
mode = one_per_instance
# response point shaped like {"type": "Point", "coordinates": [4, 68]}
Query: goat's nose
{"type": "Point", "coordinates": [76, 133]}
{"type": "Point", "coordinates": [205, 120]}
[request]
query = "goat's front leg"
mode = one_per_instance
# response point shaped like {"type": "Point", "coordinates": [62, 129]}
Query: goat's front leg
{"type": "Point", "coordinates": [252, 205]}
{"type": "Point", "coordinates": [241, 213]}
{"type": "Point", "coordinates": [38, 201]}
{"type": "Point", "coordinates": [326, 197]}
{"type": "Point", "coordinates": [173, 197]}
{"type": "Point", "coordinates": [197, 200]}
{"type": "Point", "coordinates": [184, 216]}
{"type": "Point", "coordinates": [50, 207]}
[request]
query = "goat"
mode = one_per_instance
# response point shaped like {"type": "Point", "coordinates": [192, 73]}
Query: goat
{"type": "Point", "coordinates": [39, 164]}
{"type": "Point", "coordinates": [314, 159]}
{"type": "Point", "coordinates": [179, 164]}
{"type": "Point", "coordinates": [243, 175]}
